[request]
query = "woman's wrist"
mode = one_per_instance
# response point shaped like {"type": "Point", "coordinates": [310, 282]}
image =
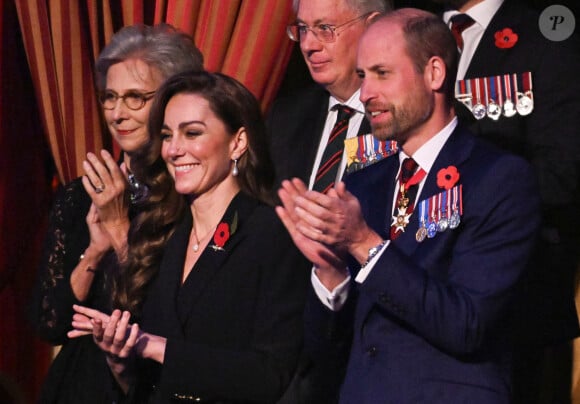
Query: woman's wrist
{"type": "Point", "coordinates": [118, 237]}
{"type": "Point", "coordinates": [90, 258]}
{"type": "Point", "coordinates": [151, 347]}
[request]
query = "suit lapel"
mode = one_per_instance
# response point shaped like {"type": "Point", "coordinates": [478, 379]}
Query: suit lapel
{"type": "Point", "coordinates": [168, 281]}
{"type": "Point", "coordinates": [212, 260]}
{"type": "Point", "coordinates": [310, 135]}
{"type": "Point", "coordinates": [487, 50]}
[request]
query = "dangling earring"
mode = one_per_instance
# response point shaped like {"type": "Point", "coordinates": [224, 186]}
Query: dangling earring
{"type": "Point", "coordinates": [235, 170]}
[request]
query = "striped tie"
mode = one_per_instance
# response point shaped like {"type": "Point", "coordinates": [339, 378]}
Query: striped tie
{"type": "Point", "coordinates": [326, 174]}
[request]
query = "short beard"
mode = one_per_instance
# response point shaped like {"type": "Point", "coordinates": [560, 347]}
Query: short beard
{"type": "Point", "coordinates": [404, 120]}
{"type": "Point", "coordinates": [390, 130]}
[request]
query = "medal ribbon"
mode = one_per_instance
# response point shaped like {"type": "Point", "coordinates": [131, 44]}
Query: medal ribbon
{"type": "Point", "coordinates": [527, 83]}
{"type": "Point", "coordinates": [508, 87]}
{"type": "Point", "coordinates": [497, 88]}
{"type": "Point", "coordinates": [400, 210]}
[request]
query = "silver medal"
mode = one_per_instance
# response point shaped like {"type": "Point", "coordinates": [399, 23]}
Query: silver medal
{"type": "Point", "coordinates": [525, 104]}
{"type": "Point", "coordinates": [493, 110]}
{"type": "Point", "coordinates": [509, 109]}
{"type": "Point", "coordinates": [479, 111]}
{"type": "Point", "coordinates": [455, 220]}
{"type": "Point", "coordinates": [442, 225]}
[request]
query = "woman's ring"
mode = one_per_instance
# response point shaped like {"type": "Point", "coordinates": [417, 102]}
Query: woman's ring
{"type": "Point", "coordinates": [100, 189]}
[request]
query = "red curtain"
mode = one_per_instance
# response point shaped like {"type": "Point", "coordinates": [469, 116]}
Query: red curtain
{"type": "Point", "coordinates": [242, 38]}
{"type": "Point", "coordinates": [50, 119]}
{"type": "Point", "coordinates": [24, 200]}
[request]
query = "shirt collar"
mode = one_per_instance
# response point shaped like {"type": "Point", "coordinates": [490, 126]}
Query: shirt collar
{"type": "Point", "coordinates": [482, 13]}
{"type": "Point", "coordinates": [354, 102]}
{"type": "Point", "coordinates": [426, 155]}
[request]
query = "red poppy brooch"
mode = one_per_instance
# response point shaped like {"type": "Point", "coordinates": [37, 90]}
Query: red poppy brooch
{"type": "Point", "coordinates": [223, 232]}
{"type": "Point", "coordinates": [447, 177]}
{"type": "Point", "coordinates": [505, 38]}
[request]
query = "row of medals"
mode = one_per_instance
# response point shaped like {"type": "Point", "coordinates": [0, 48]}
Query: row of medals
{"type": "Point", "coordinates": [446, 214]}
{"type": "Point", "coordinates": [435, 225]}
{"type": "Point", "coordinates": [445, 208]}
{"type": "Point", "coordinates": [494, 96]}
{"type": "Point", "coordinates": [438, 226]}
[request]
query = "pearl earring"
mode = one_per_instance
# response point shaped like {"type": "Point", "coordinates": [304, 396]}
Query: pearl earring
{"type": "Point", "coordinates": [235, 170]}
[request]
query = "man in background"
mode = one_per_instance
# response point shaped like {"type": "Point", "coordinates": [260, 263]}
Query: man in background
{"type": "Point", "coordinates": [518, 87]}
{"type": "Point", "coordinates": [307, 129]}
{"type": "Point", "coordinates": [301, 124]}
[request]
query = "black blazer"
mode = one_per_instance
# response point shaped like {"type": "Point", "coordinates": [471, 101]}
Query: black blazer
{"type": "Point", "coordinates": [234, 328]}
{"type": "Point", "coordinates": [295, 124]}
{"type": "Point", "coordinates": [549, 138]}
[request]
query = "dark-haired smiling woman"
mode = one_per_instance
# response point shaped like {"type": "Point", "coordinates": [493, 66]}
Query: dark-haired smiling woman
{"type": "Point", "coordinates": [220, 312]}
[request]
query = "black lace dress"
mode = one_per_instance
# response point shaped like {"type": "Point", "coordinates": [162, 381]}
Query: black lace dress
{"type": "Point", "coordinates": [79, 373]}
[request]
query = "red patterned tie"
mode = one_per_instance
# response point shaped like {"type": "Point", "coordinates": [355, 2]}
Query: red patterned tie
{"type": "Point", "coordinates": [328, 169]}
{"type": "Point", "coordinates": [459, 23]}
{"type": "Point", "coordinates": [409, 181]}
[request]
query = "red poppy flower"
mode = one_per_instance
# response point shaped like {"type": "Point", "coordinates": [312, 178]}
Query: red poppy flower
{"type": "Point", "coordinates": [505, 38]}
{"type": "Point", "coordinates": [221, 235]}
{"type": "Point", "coordinates": [447, 177]}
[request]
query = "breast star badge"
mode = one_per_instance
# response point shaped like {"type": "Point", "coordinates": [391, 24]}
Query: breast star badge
{"type": "Point", "coordinates": [401, 220]}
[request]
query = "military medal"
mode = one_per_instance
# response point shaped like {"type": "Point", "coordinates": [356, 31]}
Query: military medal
{"type": "Point", "coordinates": [443, 222]}
{"type": "Point", "coordinates": [432, 228]}
{"type": "Point", "coordinates": [455, 220]}
{"type": "Point", "coordinates": [421, 234]}
{"type": "Point", "coordinates": [401, 219]}
{"type": "Point", "coordinates": [493, 108]}
{"type": "Point", "coordinates": [525, 103]}
{"type": "Point", "coordinates": [364, 150]}
{"type": "Point", "coordinates": [463, 93]}
{"type": "Point", "coordinates": [478, 110]}
{"type": "Point", "coordinates": [508, 106]}
{"type": "Point", "coordinates": [439, 213]}
{"type": "Point", "coordinates": [432, 222]}
{"type": "Point", "coordinates": [457, 206]}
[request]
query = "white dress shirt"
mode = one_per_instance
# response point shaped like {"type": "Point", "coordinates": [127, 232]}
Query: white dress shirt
{"type": "Point", "coordinates": [481, 13]}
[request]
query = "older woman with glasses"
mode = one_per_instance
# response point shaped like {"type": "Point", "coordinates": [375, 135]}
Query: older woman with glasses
{"type": "Point", "coordinates": [87, 234]}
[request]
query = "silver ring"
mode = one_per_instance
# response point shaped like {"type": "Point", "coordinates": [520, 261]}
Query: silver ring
{"type": "Point", "coordinates": [98, 190]}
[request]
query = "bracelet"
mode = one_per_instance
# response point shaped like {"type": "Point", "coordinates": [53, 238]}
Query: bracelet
{"type": "Point", "coordinates": [373, 251]}
{"type": "Point", "coordinates": [89, 269]}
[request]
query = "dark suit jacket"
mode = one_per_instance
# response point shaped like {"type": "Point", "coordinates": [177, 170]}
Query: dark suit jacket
{"type": "Point", "coordinates": [234, 328]}
{"type": "Point", "coordinates": [549, 138]}
{"type": "Point", "coordinates": [295, 124]}
{"type": "Point", "coordinates": [432, 321]}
